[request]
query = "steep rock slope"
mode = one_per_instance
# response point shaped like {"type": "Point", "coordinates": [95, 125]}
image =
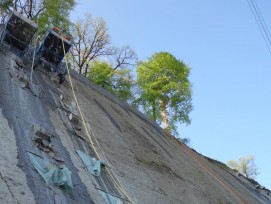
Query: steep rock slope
{"type": "Point", "coordinates": [151, 166]}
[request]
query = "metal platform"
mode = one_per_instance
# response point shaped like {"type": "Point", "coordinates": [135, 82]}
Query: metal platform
{"type": "Point", "coordinates": [50, 50]}
{"type": "Point", "coordinates": [18, 32]}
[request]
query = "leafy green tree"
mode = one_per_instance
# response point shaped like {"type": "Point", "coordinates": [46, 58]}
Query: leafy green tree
{"type": "Point", "coordinates": [101, 73]}
{"type": "Point", "coordinates": [117, 81]}
{"type": "Point", "coordinates": [46, 12]}
{"type": "Point", "coordinates": [123, 84]}
{"type": "Point", "coordinates": [56, 12]}
{"type": "Point", "coordinates": [246, 166]}
{"type": "Point", "coordinates": [165, 94]}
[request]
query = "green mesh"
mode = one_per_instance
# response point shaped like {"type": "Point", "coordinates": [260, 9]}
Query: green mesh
{"type": "Point", "coordinates": [52, 175]}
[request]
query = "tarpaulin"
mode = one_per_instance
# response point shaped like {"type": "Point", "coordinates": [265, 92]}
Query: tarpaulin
{"type": "Point", "coordinates": [92, 165]}
{"type": "Point", "coordinates": [52, 174]}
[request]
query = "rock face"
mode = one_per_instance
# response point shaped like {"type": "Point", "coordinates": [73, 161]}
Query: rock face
{"type": "Point", "coordinates": [143, 164]}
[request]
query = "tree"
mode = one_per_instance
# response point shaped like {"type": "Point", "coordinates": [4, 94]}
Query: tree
{"type": "Point", "coordinates": [91, 42]}
{"type": "Point", "coordinates": [46, 12]}
{"type": "Point", "coordinates": [123, 57]}
{"type": "Point", "coordinates": [101, 73]}
{"type": "Point", "coordinates": [55, 12]}
{"type": "Point", "coordinates": [91, 38]}
{"type": "Point", "coordinates": [117, 81]}
{"type": "Point", "coordinates": [165, 94]}
{"type": "Point", "coordinates": [5, 5]}
{"type": "Point", "coordinates": [233, 164]}
{"type": "Point", "coordinates": [30, 8]}
{"type": "Point", "coordinates": [246, 166]}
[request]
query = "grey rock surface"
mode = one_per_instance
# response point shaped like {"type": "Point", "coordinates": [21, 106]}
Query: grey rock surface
{"type": "Point", "coordinates": [151, 166]}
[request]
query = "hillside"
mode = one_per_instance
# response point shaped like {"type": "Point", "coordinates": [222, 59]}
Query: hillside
{"type": "Point", "coordinates": [39, 121]}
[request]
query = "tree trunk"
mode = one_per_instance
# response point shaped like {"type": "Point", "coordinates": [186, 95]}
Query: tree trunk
{"type": "Point", "coordinates": [164, 115]}
{"type": "Point", "coordinates": [153, 111]}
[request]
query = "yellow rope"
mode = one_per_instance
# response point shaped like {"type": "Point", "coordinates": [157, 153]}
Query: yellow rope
{"type": "Point", "coordinates": [87, 131]}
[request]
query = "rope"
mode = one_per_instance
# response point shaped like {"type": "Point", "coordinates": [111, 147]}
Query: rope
{"type": "Point", "coordinates": [38, 88]}
{"type": "Point", "coordinates": [87, 131]}
{"type": "Point", "coordinates": [34, 55]}
{"type": "Point", "coordinates": [212, 173]}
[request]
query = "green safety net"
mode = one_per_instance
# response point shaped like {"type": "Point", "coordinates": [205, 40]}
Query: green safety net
{"type": "Point", "coordinates": [92, 165]}
{"type": "Point", "coordinates": [110, 199]}
{"type": "Point", "coordinates": [52, 174]}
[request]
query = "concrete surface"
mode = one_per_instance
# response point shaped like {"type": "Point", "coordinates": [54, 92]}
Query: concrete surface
{"type": "Point", "coordinates": [150, 165]}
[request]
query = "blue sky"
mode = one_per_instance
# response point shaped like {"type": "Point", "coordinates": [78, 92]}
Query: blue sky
{"type": "Point", "coordinates": [230, 67]}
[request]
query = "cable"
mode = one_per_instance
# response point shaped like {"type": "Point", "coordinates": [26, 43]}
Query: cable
{"type": "Point", "coordinates": [34, 55]}
{"type": "Point", "coordinates": [259, 25]}
{"type": "Point", "coordinates": [212, 173]}
{"type": "Point", "coordinates": [261, 17]}
{"type": "Point", "coordinates": [86, 129]}
{"type": "Point", "coordinates": [260, 22]}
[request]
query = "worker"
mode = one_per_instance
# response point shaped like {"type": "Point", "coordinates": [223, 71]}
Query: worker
{"type": "Point", "coordinates": [62, 72]}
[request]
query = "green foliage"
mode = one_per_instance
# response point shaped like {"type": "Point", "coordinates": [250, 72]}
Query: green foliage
{"type": "Point", "coordinates": [5, 5]}
{"type": "Point", "coordinates": [118, 82]}
{"type": "Point", "coordinates": [246, 166]}
{"type": "Point", "coordinates": [233, 164]}
{"type": "Point", "coordinates": [46, 12]}
{"type": "Point", "coordinates": [123, 83]}
{"type": "Point", "coordinates": [101, 73]}
{"type": "Point", "coordinates": [165, 89]}
{"type": "Point", "coordinates": [56, 12]}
